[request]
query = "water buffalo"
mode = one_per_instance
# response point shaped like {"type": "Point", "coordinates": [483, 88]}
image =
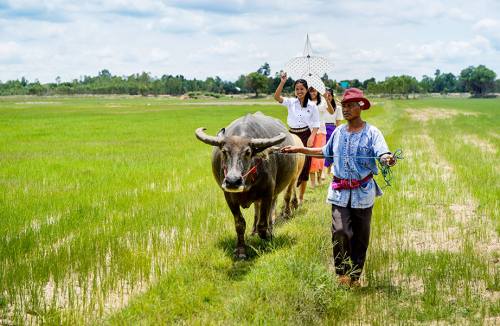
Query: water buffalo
{"type": "Point", "coordinates": [243, 168]}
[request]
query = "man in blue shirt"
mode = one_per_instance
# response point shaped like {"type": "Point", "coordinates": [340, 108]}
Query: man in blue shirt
{"type": "Point", "coordinates": [352, 149]}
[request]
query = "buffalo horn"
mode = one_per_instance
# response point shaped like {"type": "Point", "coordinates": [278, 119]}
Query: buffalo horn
{"type": "Point", "coordinates": [266, 142]}
{"type": "Point", "coordinates": [210, 140]}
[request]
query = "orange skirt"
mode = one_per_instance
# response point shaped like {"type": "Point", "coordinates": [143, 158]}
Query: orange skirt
{"type": "Point", "coordinates": [318, 163]}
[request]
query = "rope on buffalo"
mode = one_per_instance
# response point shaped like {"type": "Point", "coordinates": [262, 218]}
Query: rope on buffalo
{"type": "Point", "coordinates": [385, 170]}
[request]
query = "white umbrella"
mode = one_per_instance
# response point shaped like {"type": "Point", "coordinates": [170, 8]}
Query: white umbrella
{"type": "Point", "coordinates": [310, 67]}
{"type": "Point", "coordinates": [314, 81]}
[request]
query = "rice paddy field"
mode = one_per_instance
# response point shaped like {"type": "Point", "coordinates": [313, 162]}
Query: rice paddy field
{"type": "Point", "coordinates": [109, 215]}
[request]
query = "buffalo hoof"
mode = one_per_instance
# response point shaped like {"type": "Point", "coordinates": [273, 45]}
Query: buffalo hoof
{"type": "Point", "coordinates": [253, 232]}
{"type": "Point", "coordinates": [266, 236]}
{"type": "Point", "coordinates": [286, 213]}
{"type": "Point", "coordinates": [240, 252]}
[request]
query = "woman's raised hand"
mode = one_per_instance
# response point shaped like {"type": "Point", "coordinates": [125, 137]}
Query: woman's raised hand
{"type": "Point", "coordinates": [283, 77]}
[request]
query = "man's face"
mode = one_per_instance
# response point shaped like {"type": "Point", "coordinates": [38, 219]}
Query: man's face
{"type": "Point", "coordinates": [351, 110]}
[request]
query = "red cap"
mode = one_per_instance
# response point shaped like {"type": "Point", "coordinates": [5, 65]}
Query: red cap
{"type": "Point", "coordinates": [356, 95]}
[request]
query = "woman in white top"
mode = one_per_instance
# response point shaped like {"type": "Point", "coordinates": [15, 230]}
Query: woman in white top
{"type": "Point", "coordinates": [332, 121]}
{"type": "Point", "coordinates": [303, 120]}
{"type": "Point", "coordinates": [325, 109]}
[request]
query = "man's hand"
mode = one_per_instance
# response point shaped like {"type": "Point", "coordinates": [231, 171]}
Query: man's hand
{"type": "Point", "coordinates": [289, 149]}
{"type": "Point", "coordinates": [387, 159]}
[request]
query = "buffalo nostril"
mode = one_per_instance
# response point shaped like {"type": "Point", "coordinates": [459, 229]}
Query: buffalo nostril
{"type": "Point", "coordinates": [233, 182]}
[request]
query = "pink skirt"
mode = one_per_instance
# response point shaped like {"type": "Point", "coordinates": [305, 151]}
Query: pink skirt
{"type": "Point", "coordinates": [318, 163]}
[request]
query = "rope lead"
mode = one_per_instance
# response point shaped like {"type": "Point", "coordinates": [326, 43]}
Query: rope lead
{"type": "Point", "coordinates": [384, 169]}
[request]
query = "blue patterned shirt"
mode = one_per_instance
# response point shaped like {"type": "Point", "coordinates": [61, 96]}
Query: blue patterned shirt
{"type": "Point", "coordinates": [368, 142]}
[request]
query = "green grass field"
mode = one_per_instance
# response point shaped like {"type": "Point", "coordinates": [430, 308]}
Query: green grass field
{"type": "Point", "coordinates": [109, 214]}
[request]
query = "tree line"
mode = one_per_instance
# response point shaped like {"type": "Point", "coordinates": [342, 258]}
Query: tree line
{"type": "Point", "coordinates": [477, 81]}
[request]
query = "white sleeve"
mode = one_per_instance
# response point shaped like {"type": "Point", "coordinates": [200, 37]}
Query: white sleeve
{"type": "Point", "coordinates": [315, 118]}
{"type": "Point", "coordinates": [286, 102]}
{"type": "Point", "coordinates": [322, 107]}
{"type": "Point", "coordinates": [338, 113]}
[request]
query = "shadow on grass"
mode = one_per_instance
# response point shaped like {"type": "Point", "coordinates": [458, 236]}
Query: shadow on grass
{"type": "Point", "coordinates": [256, 248]}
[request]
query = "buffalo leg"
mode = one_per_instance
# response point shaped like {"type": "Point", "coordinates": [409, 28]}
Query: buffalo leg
{"type": "Point", "coordinates": [272, 217]}
{"type": "Point", "coordinates": [294, 201]}
{"type": "Point", "coordinates": [289, 201]}
{"type": "Point", "coordinates": [285, 208]}
{"type": "Point", "coordinates": [256, 218]}
{"type": "Point", "coordinates": [263, 223]}
{"type": "Point", "coordinates": [240, 251]}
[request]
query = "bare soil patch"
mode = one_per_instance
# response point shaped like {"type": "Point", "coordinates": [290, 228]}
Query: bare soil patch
{"type": "Point", "coordinates": [441, 225]}
{"type": "Point", "coordinates": [23, 103]}
{"type": "Point", "coordinates": [435, 113]}
{"type": "Point", "coordinates": [227, 103]}
{"type": "Point", "coordinates": [484, 146]}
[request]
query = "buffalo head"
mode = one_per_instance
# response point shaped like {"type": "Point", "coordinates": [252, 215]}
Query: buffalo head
{"type": "Point", "coordinates": [237, 154]}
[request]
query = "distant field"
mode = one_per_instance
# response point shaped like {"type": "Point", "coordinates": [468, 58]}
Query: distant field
{"type": "Point", "coordinates": [109, 214]}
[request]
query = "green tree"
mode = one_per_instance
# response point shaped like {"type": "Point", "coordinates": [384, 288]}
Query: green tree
{"type": "Point", "coordinates": [478, 79]}
{"type": "Point", "coordinates": [256, 82]}
{"type": "Point", "coordinates": [105, 73]}
{"type": "Point", "coordinates": [414, 86]}
{"type": "Point", "coordinates": [427, 84]}
{"type": "Point", "coordinates": [391, 85]}
{"type": "Point", "coordinates": [366, 82]}
{"type": "Point", "coordinates": [240, 83]}
{"type": "Point", "coordinates": [156, 87]}
{"type": "Point", "coordinates": [265, 70]}
{"type": "Point", "coordinates": [371, 88]}
{"type": "Point", "coordinates": [405, 84]}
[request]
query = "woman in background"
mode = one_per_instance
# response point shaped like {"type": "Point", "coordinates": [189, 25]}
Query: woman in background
{"type": "Point", "coordinates": [332, 121]}
{"type": "Point", "coordinates": [303, 120]}
{"type": "Point", "coordinates": [325, 109]}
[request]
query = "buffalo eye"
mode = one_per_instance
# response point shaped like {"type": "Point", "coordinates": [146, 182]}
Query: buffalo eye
{"type": "Point", "coordinates": [224, 153]}
{"type": "Point", "coordinates": [248, 153]}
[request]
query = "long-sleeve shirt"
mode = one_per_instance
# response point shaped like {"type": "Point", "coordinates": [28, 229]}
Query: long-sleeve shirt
{"type": "Point", "coordinates": [340, 149]}
{"type": "Point", "coordinates": [299, 117]}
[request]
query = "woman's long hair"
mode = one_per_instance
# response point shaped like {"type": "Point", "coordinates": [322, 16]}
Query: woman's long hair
{"type": "Point", "coordinates": [318, 97]}
{"type": "Point", "coordinates": [334, 106]}
{"type": "Point", "coordinates": [308, 96]}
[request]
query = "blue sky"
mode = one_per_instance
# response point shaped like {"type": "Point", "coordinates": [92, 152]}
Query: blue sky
{"type": "Point", "coordinates": [48, 38]}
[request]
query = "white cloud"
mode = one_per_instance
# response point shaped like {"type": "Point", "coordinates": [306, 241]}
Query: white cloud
{"type": "Point", "coordinates": [460, 14]}
{"type": "Point", "coordinates": [490, 28]}
{"type": "Point", "coordinates": [223, 47]}
{"type": "Point", "coordinates": [322, 43]}
{"type": "Point", "coordinates": [487, 24]}
{"type": "Point", "coordinates": [14, 53]}
{"type": "Point", "coordinates": [157, 55]}
{"type": "Point", "coordinates": [46, 38]}
{"type": "Point", "coordinates": [260, 55]}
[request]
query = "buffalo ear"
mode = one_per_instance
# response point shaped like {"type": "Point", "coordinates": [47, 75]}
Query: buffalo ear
{"type": "Point", "coordinates": [264, 152]}
{"type": "Point", "coordinates": [221, 132]}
